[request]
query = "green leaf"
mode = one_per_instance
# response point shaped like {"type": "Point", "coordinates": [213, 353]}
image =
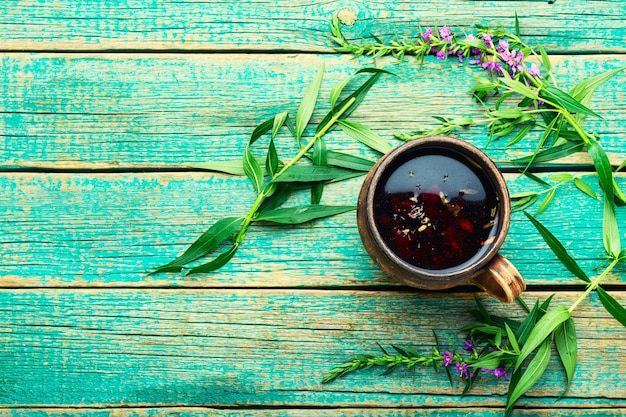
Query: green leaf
{"type": "Point", "coordinates": [583, 91]}
{"type": "Point", "coordinates": [544, 327]}
{"type": "Point", "coordinates": [281, 194]}
{"type": "Point", "coordinates": [209, 240]}
{"type": "Point", "coordinates": [271, 161]}
{"type": "Point", "coordinates": [337, 89]}
{"type": "Point", "coordinates": [216, 263]}
{"type": "Point", "coordinates": [310, 173]}
{"type": "Point", "coordinates": [261, 129]}
{"type": "Point", "coordinates": [320, 158]}
{"type": "Point", "coordinates": [561, 177]}
{"type": "Point", "coordinates": [252, 169]}
{"type": "Point", "coordinates": [536, 178]}
{"type": "Point", "coordinates": [612, 306]}
{"type": "Point", "coordinates": [566, 345]}
{"type": "Point", "coordinates": [521, 134]}
{"type": "Point", "coordinates": [519, 87]}
{"type": "Point", "coordinates": [506, 113]}
{"type": "Point", "coordinates": [544, 137]}
{"type": "Point", "coordinates": [228, 167]}
{"type": "Point", "coordinates": [561, 98]}
{"type": "Point", "coordinates": [585, 188]}
{"type": "Point", "coordinates": [344, 160]}
{"type": "Point", "coordinates": [518, 32]}
{"type": "Point", "coordinates": [535, 369]}
{"type": "Point", "coordinates": [512, 338]}
{"type": "Point", "coordinates": [610, 229]}
{"type": "Point", "coordinates": [545, 60]}
{"type": "Point", "coordinates": [546, 201]}
{"type": "Point", "coordinates": [364, 135]}
{"type": "Point", "coordinates": [558, 249]}
{"type": "Point", "coordinates": [358, 96]}
{"type": "Point", "coordinates": [524, 203]}
{"type": "Point", "coordinates": [305, 110]}
{"type": "Point", "coordinates": [527, 325]}
{"type": "Point", "coordinates": [301, 214]}
{"type": "Point", "coordinates": [550, 154]}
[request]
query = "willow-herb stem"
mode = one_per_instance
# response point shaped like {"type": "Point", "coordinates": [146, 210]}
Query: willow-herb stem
{"type": "Point", "coordinates": [270, 187]}
{"type": "Point", "coordinates": [594, 284]}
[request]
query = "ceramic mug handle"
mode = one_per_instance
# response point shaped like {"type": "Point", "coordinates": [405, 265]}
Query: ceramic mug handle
{"type": "Point", "coordinates": [501, 279]}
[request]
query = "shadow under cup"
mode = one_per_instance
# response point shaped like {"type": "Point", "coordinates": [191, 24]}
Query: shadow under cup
{"type": "Point", "coordinates": [434, 212]}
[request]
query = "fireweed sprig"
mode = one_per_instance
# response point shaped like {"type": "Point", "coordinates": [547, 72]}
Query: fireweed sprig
{"type": "Point", "coordinates": [513, 350]}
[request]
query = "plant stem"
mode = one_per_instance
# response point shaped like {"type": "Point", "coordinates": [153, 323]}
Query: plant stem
{"type": "Point", "coordinates": [594, 284]}
{"type": "Point", "coordinates": [270, 187]}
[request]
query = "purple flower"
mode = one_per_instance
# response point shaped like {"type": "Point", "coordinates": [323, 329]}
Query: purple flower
{"type": "Point", "coordinates": [461, 368]}
{"type": "Point", "coordinates": [427, 34]}
{"type": "Point", "coordinates": [503, 45]}
{"type": "Point", "coordinates": [468, 345]}
{"type": "Point", "coordinates": [487, 38]}
{"type": "Point", "coordinates": [500, 373]}
{"type": "Point", "coordinates": [441, 55]}
{"type": "Point", "coordinates": [493, 66]}
{"type": "Point", "coordinates": [445, 33]}
{"type": "Point", "coordinates": [513, 59]}
{"type": "Point", "coordinates": [447, 358]}
{"type": "Point", "coordinates": [533, 70]}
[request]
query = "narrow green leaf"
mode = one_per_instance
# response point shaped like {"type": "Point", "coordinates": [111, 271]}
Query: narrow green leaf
{"type": "Point", "coordinates": [216, 263]}
{"type": "Point", "coordinates": [515, 378]}
{"type": "Point", "coordinates": [506, 113]}
{"type": "Point", "coordinates": [603, 167]}
{"type": "Point", "coordinates": [209, 240]}
{"type": "Point", "coordinates": [535, 370]}
{"type": "Point", "coordinates": [261, 129]}
{"type": "Point", "coordinates": [546, 201]}
{"type": "Point", "coordinates": [305, 110]}
{"type": "Point", "coordinates": [583, 91]}
{"type": "Point", "coordinates": [521, 134]}
{"type": "Point", "coordinates": [561, 177]}
{"type": "Point", "coordinates": [561, 98]}
{"type": "Point", "coordinates": [365, 135]}
{"type": "Point", "coordinates": [344, 160]}
{"type": "Point", "coordinates": [543, 308]}
{"type": "Point", "coordinates": [301, 214]}
{"type": "Point", "coordinates": [227, 167]}
{"type": "Point", "coordinates": [550, 154]}
{"type": "Point", "coordinates": [518, 32]}
{"type": "Point", "coordinates": [585, 188]}
{"type": "Point", "coordinates": [310, 173]}
{"type": "Point", "coordinates": [484, 314]}
{"type": "Point", "coordinates": [252, 169]}
{"type": "Point", "coordinates": [337, 89]}
{"type": "Point", "coordinates": [320, 158]}
{"type": "Point", "coordinates": [536, 178]}
{"type": "Point", "coordinates": [612, 306]}
{"type": "Point", "coordinates": [542, 140]}
{"type": "Point", "coordinates": [358, 96]}
{"type": "Point", "coordinates": [524, 203]}
{"type": "Point", "coordinates": [621, 166]}
{"type": "Point", "coordinates": [545, 60]}
{"type": "Point", "coordinates": [566, 345]}
{"type": "Point", "coordinates": [519, 87]}
{"type": "Point", "coordinates": [527, 325]}
{"type": "Point", "coordinates": [558, 249]}
{"type": "Point", "coordinates": [283, 191]}
{"type": "Point", "coordinates": [512, 339]}
{"type": "Point", "coordinates": [544, 327]}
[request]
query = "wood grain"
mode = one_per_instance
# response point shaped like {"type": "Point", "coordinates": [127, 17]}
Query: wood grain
{"type": "Point", "coordinates": [120, 111]}
{"type": "Point", "coordinates": [222, 348]}
{"type": "Point", "coordinates": [305, 412]}
{"type": "Point", "coordinates": [291, 25]}
{"type": "Point", "coordinates": [92, 230]}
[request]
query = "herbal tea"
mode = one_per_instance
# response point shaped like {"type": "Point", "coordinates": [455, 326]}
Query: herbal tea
{"type": "Point", "coordinates": [437, 211]}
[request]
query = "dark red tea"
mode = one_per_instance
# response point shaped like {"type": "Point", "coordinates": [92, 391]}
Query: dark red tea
{"type": "Point", "coordinates": [437, 210]}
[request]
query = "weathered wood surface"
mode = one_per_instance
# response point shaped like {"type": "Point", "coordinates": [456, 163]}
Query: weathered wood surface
{"type": "Point", "coordinates": [110, 229]}
{"type": "Point", "coordinates": [218, 348]}
{"type": "Point", "coordinates": [111, 86]}
{"type": "Point", "coordinates": [116, 111]}
{"type": "Point", "coordinates": [291, 25]}
{"type": "Point", "coordinates": [305, 412]}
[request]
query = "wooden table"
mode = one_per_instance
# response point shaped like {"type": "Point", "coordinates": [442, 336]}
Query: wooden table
{"type": "Point", "coordinates": [107, 107]}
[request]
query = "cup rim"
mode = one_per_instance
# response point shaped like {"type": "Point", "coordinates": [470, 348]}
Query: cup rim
{"type": "Point", "coordinates": [445, 277]}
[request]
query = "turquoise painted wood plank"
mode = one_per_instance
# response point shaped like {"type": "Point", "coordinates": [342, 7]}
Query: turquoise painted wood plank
{"type": "Point", "coordinates": [289, 25]}
{"type": "Point", "coordinates": [89, 230]}
{"type": "Point", "coordinates": [223, 348]}
{"type": "Point", "coordinates": [165, 110]}
{"type": "Point", "coordinates": [304, 412]}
